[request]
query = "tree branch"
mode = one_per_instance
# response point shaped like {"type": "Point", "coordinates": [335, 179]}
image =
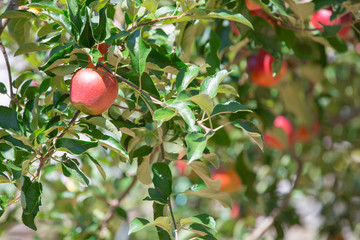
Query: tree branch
{"type": "Point", "coordinates": [12, 5]}
{"type": "Point", "coordinates": [154, 100]}
{"type": "Point", "coordinates": [269, 221]}
{"type": "Point", "coordinates": [8, 69]}
{"type": "Point", "coordinates": [173, 218]}
{"type": "Point", "coordinates": [113, 206]}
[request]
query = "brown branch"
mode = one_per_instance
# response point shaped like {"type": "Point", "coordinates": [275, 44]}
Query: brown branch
{"type": "Point", "coordinates": [125, 108]}
{"type": "Point", "coordinates": [113, 206]}
{"type": "Point", "coordinates": [154, 100]}
{"type": "Point", "coordinates": [43, 159]}
{"type": "Point", "coordinates": [269, 221]}
{"type": "Point", "coordinates": [173, 218]}
{"type": "Point", "coordinates": [12, 5]}
{"type": "Point", "coordinates": [8, 69]}
{"type": "Point", "coordinates": [157, 20]}
{"type": "Point", "coordinates": [355, 112]}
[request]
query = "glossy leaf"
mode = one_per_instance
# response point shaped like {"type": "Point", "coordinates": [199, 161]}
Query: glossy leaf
{"type": "Point", "coordinates": [186, 113]}
{"type": "Point", "coordinates": [210, 84]}
{"type": "Point", "coordinates": [71, 170]}
{"type": "Point", "coordinates": [139, 223]}
{"type": "Point", "coordinates": [185, 77]}
{"type": "Point", "coordinates": [162, 115]}
{"type": "Point", "coordinates": [74, 146]}
{"type": "Point", "coordinates": [162, 178]}
{"type": "Point", "coordinates": [196, 143]}
{"type": "Point", "coordinates": [138, 51]}
{"type": "Point", "coordinates": [236, 17]}
{"type": "Point", "coordinates": [8, 119]}
{"type": "Point", "coordinates": [229, 107]}
{"type": "Point", "coordinates": [203, 219]}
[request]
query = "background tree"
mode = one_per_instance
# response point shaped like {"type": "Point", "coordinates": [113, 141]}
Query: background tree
{"type": "Point", "coordinates": [261, 95]}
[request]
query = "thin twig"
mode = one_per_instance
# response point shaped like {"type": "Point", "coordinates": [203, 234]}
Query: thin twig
{"type": "Point", "coordinates": [173, 218]}
{"type": "Point", "coordinates": [8, 69]}
{"type": "Point", "coordinates": [113, 206]}
{"type": "Point", "coordinates": [269, 221]}
{"type": "Point", "coordinates": [154, 100]}
{"type": "Point", "coordinates": [125, 108]}
{"type": "Point", "coordinates": [43, 159]}
{"type": "Point", "coordinates": [157, 20]}
{"type": "Point", "coordinates": [12, 5]}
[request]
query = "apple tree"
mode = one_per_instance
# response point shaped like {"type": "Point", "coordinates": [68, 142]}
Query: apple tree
{"type": "Point", "coordinates": [147, 119]}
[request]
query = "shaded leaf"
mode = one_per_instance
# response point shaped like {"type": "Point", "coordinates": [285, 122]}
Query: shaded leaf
{"type": "Point", "coordinates": [203, 219]}
{"type": "Point", "coordinates": [223, 198]}
{"type": "Point", "coordinates": [8, 119]}
{"type": "Point", "coordinates": [229, 107]}
{"type": "Point", "coordinates": [71, 170]}
{"type": "Point", "coordinates": [204, 101]}
{"type": "Point", "coordinates": [74, 146]}
{"type": "Point", "coordinates": [251, 130]}
{"type": "Point", "coordinates": [236, 17]}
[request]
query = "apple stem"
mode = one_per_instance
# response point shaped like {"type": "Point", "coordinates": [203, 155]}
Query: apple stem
{"type": "Point", "coordinates": [154, 100]}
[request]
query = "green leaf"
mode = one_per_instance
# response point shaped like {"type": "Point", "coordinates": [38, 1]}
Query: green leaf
{"type": "Point", "coordinates": [17, 14]}
{"type": "Point", "coordinates": [101, 30]}
{"type": "Point", "coordinates": [204, 101]}
{"type": "Point", "coordinates": [212, 48]}
{"type": "Point", "coordinates": [186, 76]}
{"type": "Point", "coordinates": [143, 171]}
{"type": "Point", "coordinates": [19, 29]}
{"type": "Point", "coordinates": [98, 166]}
{"type": "Point", "coordinates": [227, 89]}
{"type": "Point", "coordinates": [30, 195]}
{"type": "Point", "coordinates": [113, 144]}
{"type": "Point", "coordinates": [3, 204]}
{"type": "Point", "coordinates": [3, 89]}
{"type": "Point", "coordinates": [139, 223]}
{"type": "Point", "coordinates": [151, 5]}
{"type": "Point", "coordinates": [141, 151]}
{"type": "Point", "coordinates": [196, 143]}
{"type": "Point", "coordinates": [8, 119]}
{"type": "Point", "coordinates": [60, 18]}
{"type": "Point", "coordinates": [74, 16]}
{"type": "Point", "coordinates": [203, 219]}
{"type": "Point", "coordinates": [104, 123]}
{"type": "Point", "coordinates": [71, 170]}
{"type": "Point", "coordinates": [202, 170]}
{"type": "Point", "coordinates": [162, 178]}
{"type": "Point", "coordinates": [251, 130]}
{"type": "Point", "coordinates": [165, 60]}
{"type": "Point", "coordinates": [162, 115]}
{"type": "Point", "coordinates": [223, 198]}
{"type": "Point", "coordinates": [74, 146]}
{"type": "Point", "coordinates": [87, 36]}
{"type": "Point", "coordinates": [31, 47]}
{"type": "Point", "coordinates": [148, 85]}
{"type": "Point", "coordinates": [338, 44]}
{"type": "Point", "coordinates": [210, 84]}
{"type": "Point", "coordinates": [186, 113]}
{"type": "Point", "coordinates": [229, 107]}
{"type": "Point", "coordinates": [138, 51]}
{"type": "Point", "coordinates": [202, 231]}
{"type": "Point", "coordinates": [237, 17]}
{"type": "Point", "coordinates": [59, 52]}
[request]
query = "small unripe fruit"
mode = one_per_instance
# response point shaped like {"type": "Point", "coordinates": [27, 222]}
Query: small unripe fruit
{"type": "Point", "coordinates": [259, 68]}
{"type": "Point", "coordinates": [93, 91]}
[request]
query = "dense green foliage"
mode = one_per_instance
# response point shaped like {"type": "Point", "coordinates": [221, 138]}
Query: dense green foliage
{"type": "Point", "coordinates": [184, 96]}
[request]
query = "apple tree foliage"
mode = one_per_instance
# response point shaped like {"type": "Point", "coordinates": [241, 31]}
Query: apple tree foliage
{"type": "Point", "coordinates": [184, 95]}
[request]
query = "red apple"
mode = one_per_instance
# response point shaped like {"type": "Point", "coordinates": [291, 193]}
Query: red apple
{"type": "Point", "coordinates": [230, 180]}
{"type": "Point", "coordinates": [181, 167]}
{"type": "Point", "coordinates": [103, 48]}
{"type": "Point", "coordinates": [93, 91]}
{"type": "Point", "coordinates": [261, 13]}
{"type": "Point", "coordinates": [288, 128]}
{"type": "Point", "coordinates": [323, 17]}
{"type": "Point", "coordinates": [259, 68]}
{"type": "Point", "coordinates": [305, 133]}
{"type": "Point", "coordinates": [252, 6]}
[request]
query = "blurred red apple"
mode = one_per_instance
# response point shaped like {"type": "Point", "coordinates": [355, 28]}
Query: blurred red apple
{"type": "Point", "coordinates": [259, 68]}
{"type": "Point", "coordinates": [323, 17]}
{"type": "Point", "coordinates": [230, 180]}
{"type": "Point", "coordinates": [288, 128]}
{"type": "Point", "coordinates": [93, 91]}
{"type": "Point", "coordinates": [252, 6]}
{"type": "Point", "coordinates": [234, 29]}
